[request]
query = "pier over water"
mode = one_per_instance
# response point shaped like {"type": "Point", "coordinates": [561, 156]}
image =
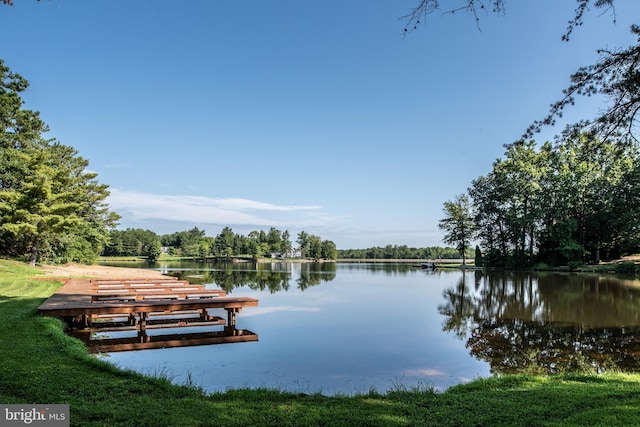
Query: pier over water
{"type": "Point", "coordinates": [141, 305]}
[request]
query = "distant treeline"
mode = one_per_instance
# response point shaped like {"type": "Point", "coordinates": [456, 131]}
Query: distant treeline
{"type": "Point", "coordinates": [400, 252]}
{"type": "Point", "coordinates": [194, 243]}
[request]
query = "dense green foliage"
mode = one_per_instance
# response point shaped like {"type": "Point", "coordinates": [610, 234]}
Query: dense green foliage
{"type": "Point", "coordinates": [133, 242]}
{"type": "Point", "coordinates": [51, 208]}
{"type": "Point", "coordinates": [400, 252]}
{"type": "Point", "coordinates": [194, 243]}
{"type": "Point", "coordinates": [42, 364]}
{"type": "Point", "coordinates": [573, 203]}
{"type": "Point", "coordinates": [313, 246]}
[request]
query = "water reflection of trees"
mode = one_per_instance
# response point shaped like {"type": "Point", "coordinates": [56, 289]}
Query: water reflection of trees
{"type": "Point", "coordinates": [547, 323]}
{"type": "Point", "coordinates": [312, 274]}
{"type": "Point", "coordinates": [274, 277]}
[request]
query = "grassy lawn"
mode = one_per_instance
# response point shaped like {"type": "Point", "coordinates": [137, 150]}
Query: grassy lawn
{"type": "Point", "coordinates": [40, 364]}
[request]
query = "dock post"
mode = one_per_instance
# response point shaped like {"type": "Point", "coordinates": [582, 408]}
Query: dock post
{"type": "Point", "coordinates": [143, 337]}
{"type": "Point", "coordinates": [231, 316]}
{"type": "Point", "coordinates": [143, 321]}
{"type": "Point", "coordinates": [86, 320]}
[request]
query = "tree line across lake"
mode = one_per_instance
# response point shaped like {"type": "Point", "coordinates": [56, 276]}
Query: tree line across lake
{"type": "Point", "coordinates": [194, 243]}
{"type": "Point", "coordinates": [401, 252]}
{"type": "Point", "coordinates": [227, 244]}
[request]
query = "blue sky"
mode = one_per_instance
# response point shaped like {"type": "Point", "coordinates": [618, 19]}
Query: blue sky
{"type": "Point", "coordinates": [315, 116]}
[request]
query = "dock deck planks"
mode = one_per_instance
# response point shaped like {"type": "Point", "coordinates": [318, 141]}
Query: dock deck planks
{"type": "Point", "coordinates": [79, 302]}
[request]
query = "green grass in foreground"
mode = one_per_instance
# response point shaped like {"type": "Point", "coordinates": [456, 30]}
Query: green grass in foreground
{"type": "Point", "coordinates": [40, 364]}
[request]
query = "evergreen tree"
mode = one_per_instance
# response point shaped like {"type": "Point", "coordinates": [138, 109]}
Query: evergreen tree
{"type": "Point", "coordinates": [154, 250]}
{"type": "Point", "coordinates": [49, 203]}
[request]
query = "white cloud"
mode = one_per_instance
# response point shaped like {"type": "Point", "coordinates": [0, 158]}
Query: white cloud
{"type": "Point", "coordinates": [136, 205]}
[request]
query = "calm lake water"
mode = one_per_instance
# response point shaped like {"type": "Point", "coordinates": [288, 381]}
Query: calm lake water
{"type": "Point", "coordinates": [352, 327]}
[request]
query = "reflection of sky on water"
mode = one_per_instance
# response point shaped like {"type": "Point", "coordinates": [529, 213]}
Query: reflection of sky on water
{"type": "Point", "coordinates": [363, 329]}
{"type": "Point", "coordinates": [258, 311]}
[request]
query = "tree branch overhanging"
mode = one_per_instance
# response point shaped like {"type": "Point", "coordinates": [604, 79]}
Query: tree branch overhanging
{"type": "Point", "coordinates": [426, 7]}
{"type": "Point", "coordinates": [615, 76]}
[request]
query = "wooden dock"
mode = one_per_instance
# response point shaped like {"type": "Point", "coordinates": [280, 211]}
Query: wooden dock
{"type": "Point", "coordinates": [117, 305]}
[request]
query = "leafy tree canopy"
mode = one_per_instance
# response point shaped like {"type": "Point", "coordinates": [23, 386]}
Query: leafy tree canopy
{"type": "Point", "coordinates": [562, 205]}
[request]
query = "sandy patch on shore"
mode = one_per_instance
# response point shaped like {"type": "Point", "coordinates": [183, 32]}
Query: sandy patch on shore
{"type": "Point", "coordinates": [97, 271]}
